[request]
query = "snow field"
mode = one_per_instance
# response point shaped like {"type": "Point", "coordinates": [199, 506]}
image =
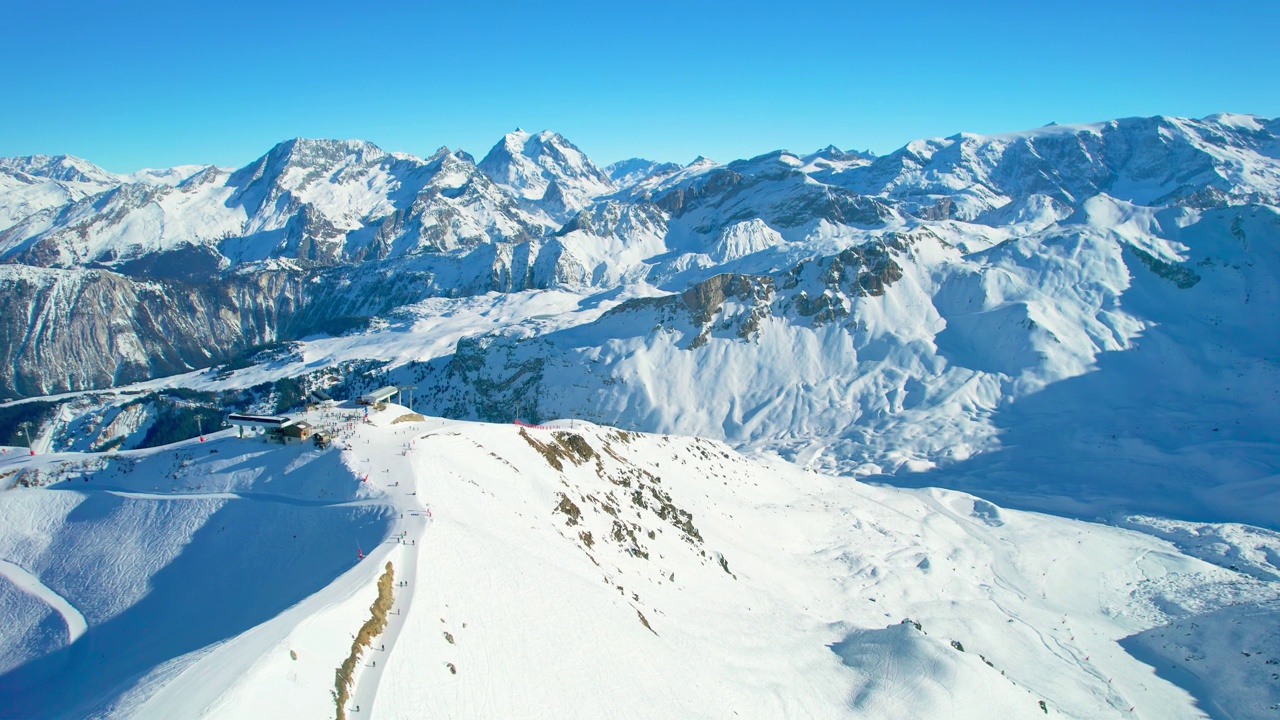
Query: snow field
{"type": "Point", "coordinates": [165, 568]}
{"type": "Point", "coordinates": [807, 624]}
{"type": "Point", "coordinates": [511, 612]}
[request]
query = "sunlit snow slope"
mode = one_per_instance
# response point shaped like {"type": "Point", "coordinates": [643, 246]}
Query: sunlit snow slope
{"type": "Point", "coordinates": [581, 571]}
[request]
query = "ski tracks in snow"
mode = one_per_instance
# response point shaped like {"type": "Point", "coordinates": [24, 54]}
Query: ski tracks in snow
{"type": "Point", "coordinates": [406, 534]}
{"type": "Point", "coordinates": [32, 585]}
{"type": "Point", "coordinates": [1059, 641]}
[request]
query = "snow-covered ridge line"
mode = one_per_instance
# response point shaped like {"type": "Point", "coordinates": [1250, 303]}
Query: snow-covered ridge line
{"type": "Point", "coordinates": [748, 585]}
{"type": "Point", "coordinates": [329, 201]}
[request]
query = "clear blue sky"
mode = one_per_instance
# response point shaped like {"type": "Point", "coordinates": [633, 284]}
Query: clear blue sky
{"type": "Point", "coordinates": [130, 84]}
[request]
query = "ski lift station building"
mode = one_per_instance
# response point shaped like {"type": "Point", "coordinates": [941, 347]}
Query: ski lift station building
{"type": "Point", "coordinates": [275, 427]}
{"type": "Point", "coordinates": [380, 395]}
{"type": "Point", "coordinates": [258, 423]}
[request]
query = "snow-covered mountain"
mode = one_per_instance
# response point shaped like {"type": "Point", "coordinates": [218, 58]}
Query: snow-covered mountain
{"type": "Point", "coordinates": [1072, 320]}
{"type": "Point", "coordinates": [547, 171]}
{"type": "Point", "coordinates": [63, 168]}
{"type": "Point", "coordinates": [626, 173]}
{"type": "Point", "coordinates": [313, 202]}
{"type": "Point", "coordinates": [331, 202]}
{"type": "Point", "coordinates": [34, 183]}
{"type": "Point", "coordinates": [1222, 159]}
{"type": "Point", "coordinates": [830, 306]}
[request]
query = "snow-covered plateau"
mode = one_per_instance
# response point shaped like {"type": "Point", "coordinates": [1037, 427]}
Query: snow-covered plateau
{"type": "Point", "coordinates": [986, 426]}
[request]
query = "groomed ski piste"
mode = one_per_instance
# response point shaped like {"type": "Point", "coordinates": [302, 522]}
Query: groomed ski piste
{"type": "Point", "coordinates": [578, 571]}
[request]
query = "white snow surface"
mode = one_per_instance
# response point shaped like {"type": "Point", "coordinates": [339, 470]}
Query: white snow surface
{"type": "Point", "coordinates": [220, 580]}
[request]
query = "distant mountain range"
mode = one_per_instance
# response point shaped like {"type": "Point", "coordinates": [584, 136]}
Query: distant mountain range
{"type": "Point", "coordinates": [871, 314]}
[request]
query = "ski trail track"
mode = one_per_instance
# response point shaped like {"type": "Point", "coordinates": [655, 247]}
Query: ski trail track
{"type": "Point", "coordinates": [399, 479]}
{"type": "Point", "coordinates": [1060, 640]}
{"type": "Point", "coordinates": [179, 679]}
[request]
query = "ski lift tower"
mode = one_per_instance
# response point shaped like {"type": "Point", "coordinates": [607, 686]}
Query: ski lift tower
{"type": "Point", "coordinates": [400, 394]}
{"type": "Point", "coordinates": [26, 431]}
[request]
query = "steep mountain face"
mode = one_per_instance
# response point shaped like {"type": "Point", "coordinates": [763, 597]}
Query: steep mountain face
{"type": "Point", "coordinates": [80, 329]}
{"type": "Point", "coordinates": [67, 329]}
{"type": "Point", "coordinates": [772, 188]}
{"type": "Point", "coordinates": [54, 320]}
{"type": "Point", "coordinates": [457, 208]}
{"type": "Point", "coordinates": [610, 244]}
{"type": "Point", "coordinates": [546, 171]}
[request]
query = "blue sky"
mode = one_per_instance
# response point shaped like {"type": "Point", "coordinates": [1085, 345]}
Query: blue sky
{"type": "Point", "coordinates": [131, 84]}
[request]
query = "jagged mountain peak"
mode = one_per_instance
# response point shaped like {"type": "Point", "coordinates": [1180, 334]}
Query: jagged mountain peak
{"type": "Point", "coordinates": [833, 159]}
{"type": "Point", "coordinates": [535, 146]}
{"type": "Point", "coordinates": [300, 150]}
{"type": "Point", "coordinates": [439, 153]}
{"type": "Point", "coordinates": [773, 161]}
{"type": "Point", "coordinates": [174, 176]}
{"type": "Point", "coordinates": [301, 162]}
{"type": "Point", "coordinates": [831, 152]}
{"type": "Point", "coordinates": [65, 168]}
{"type": "Point", "coordinates": [522, 142]}
{"type": "Point", "coordinates": [1156, 160]}
{"type": "Point", "coordinates": [547, 170]}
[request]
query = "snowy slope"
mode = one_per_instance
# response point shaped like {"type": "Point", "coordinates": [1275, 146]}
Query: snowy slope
{"type": "Point", "coordinates": [39, 182]}
{"type": "Point", "coordinates": [1135, 340]}
{"type": "Point", "coordinates": [1122, 335]}
{"type": "Point", "coordinates": [583, 572]}
{"type": "Point", "coordinates": [125, 557]}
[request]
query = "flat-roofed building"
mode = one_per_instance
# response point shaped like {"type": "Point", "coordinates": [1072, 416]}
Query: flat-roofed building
{"type": "Point", "coordinates": [258, 423]}
{"type": "Point", "coordinates": [380, 395]}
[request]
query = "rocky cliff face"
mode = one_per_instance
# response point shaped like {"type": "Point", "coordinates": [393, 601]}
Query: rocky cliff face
{"type": "Point", "coordinates": [78, 329]}
{"type": "Point", "coordinates": [69, 329]}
